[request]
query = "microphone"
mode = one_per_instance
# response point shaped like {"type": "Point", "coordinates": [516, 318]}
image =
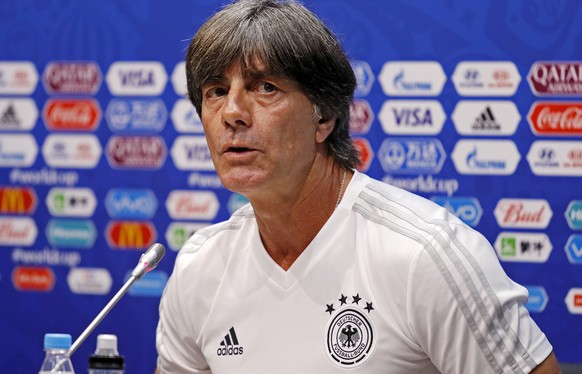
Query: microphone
{"type": "Point", "coordinates": [147, 262]}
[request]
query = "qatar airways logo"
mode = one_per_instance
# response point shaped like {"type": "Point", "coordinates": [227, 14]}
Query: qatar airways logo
{"type": "Point", "coordinates": [192, 205]}
{"type": "Point", "coordinates": [556, 78]}
{"type": "Point", "coordinates": [556, 118]}
{"type": "Point", "coordinates": [72, 78]}
{"type": "Point", "coordinates": [523, 213]}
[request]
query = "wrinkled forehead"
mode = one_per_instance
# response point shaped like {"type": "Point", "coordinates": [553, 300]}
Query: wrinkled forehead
{"type": "Point", "coordinates": [252, 67]}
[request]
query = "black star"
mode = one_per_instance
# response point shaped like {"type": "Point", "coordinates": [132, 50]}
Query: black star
{"type": "Point", "coordinates": [343, 300]}
{"type": "Point", "coordinates": [356, 299]}
{"type": "Point", "coordinates": [330, 308]}
{"type": "Point", "coordinates": [369, 307]}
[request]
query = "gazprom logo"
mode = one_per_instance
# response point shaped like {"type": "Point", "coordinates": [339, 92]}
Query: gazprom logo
{"type": "Point", "coordinates": [466, 209]}
{"type": "Point", "coordinates": [76, 233]}
{"type": "Point", "coordinates": [130, 203]}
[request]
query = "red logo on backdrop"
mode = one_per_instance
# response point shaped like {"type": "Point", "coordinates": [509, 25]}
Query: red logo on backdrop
{"type": "Point", "coordinates": [366, 153]}
{"type": "Point", "coordinates": [68, 114]}
{"type": "Point", "coordinates": [72, 77]}
{"type": "Point", "coordinates": [577, 299]}
{"type": "Point", "coordinates": [130, 234]}
{"type": "Point", "coordinates": [555, 118]}
{"type": "Point", "coordinates": [15, 200]}
{"type": "Point", "coordinates": [136, 152]}
{"type": "Point", "coordinates": [361, 116]}
{"type": "Point", "coordinates": [517, 212]}
{"type": "Point", "coordinates": [501, 78]}
{"type": "Point", "coordinates": [33, 278]}
{"type": "Point", "coordinates": [556, 78]}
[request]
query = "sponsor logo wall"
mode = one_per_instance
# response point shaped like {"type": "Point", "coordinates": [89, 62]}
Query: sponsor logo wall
{"type": "Point", "coordinates": [102, 154]}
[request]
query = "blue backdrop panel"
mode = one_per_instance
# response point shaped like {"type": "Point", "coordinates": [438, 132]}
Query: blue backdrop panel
{"type": "Point", "coordinates": [475, 105]}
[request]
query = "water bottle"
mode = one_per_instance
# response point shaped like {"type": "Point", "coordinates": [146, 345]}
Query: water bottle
{"type": "Point", "coordinates": [106, 359]}
{"type": "Point", "coordinates": [56, 359]}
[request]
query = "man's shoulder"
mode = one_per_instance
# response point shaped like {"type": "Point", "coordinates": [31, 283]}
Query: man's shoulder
{"type": "Point", "coordinates": [222, 232]}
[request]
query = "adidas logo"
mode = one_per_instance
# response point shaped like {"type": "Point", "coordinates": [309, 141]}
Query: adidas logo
{"type": "Point", "coordinates": [229, 346]}
{"type": "Point", "coordinates": [486, 121]}
{"type": "Point", "coordinates": [9, 117]}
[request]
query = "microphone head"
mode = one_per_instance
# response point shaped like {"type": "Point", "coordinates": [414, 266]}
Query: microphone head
{"type": "Point", "coordinates": [149, 260]}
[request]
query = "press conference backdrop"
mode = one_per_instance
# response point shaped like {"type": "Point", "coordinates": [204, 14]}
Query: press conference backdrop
{"type": "Point", "coordinates": [474, 104]}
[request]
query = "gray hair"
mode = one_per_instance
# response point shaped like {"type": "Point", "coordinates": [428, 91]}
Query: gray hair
{"type": "Point", "coordinates": [286, 39]}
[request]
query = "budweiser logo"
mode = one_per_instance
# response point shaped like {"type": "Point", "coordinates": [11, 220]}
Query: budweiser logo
{"type": "Point", "coordinates": [525, 213]}
{"type": "Point", "coordinates": [192, 204]}
{"type": "Point", "coordinates": [72, 114]}
{"type": "Point", "coordinates": [556, 118]}
{"type": "Point", "coordinates": [556, 78]}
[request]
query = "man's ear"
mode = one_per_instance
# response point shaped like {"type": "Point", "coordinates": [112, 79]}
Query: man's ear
{"type": "Point", "coordinates": [324, 128]}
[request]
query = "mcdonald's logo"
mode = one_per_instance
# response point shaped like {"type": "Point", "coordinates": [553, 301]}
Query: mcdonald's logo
{"type": "Point", "coordinates": [16, 200]}
{"type": "Point", "coordinates": [130, 234]}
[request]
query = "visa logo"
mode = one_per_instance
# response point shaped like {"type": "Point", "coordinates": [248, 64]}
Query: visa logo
{"type": "Point", "coordinates": [131, 203]}
{"type": "Point", "coordinates": [137, 78]}
{"type": "Point", "coordinates": [414, 117]}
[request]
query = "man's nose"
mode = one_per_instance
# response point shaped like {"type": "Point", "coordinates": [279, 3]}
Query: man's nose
{"type": "Point", "coordinates": [236, 109]}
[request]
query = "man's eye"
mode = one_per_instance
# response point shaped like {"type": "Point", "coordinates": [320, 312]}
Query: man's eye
{"type": "Point", "coordinates": [267, 87]}
{"type": "Point", "coordinates": [218, 91]}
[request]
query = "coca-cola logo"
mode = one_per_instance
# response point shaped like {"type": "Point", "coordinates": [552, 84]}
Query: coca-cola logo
{"type": "Point", "coordinates": [523, 213]}
{"type": "Point", "coordinates": [136, 152]}
{"type": "Point", "coordinates": [72, 77]}
{"type": "Point", "coordinates": [78, 114]}
{"type": "Point", "coordinates": [556, 118]}
{"type": "Point", "coordinates": [556, 78]}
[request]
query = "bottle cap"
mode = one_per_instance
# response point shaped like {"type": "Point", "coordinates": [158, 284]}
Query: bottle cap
{"type": "Point", "coordinates": [57, 341]}
{"type": "Point", "coordinates": [107, 343]}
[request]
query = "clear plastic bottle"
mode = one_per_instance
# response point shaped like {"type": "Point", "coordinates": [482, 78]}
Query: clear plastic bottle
{"type": "Point", "coordinates": [106, 359]}
{"type": "Point", "coordinates": [56, 359]}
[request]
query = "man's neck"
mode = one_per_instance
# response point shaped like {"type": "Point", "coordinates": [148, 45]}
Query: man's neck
{"type": "Point", "coordinates": [287, 227]}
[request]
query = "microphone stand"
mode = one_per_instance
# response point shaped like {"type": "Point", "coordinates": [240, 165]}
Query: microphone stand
{"type": "Point", "coordinates": [95, 322]}
{"type": "Point", "coordinates": [147, 262]}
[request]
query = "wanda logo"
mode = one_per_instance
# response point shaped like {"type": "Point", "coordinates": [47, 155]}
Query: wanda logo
{"type": "Point", "coordinates": [78, 114]}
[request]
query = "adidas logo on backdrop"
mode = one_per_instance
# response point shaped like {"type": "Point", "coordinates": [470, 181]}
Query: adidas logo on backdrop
{"type": "Point", "coordinates": [229, 346]}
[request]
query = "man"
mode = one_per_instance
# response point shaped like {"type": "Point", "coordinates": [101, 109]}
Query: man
{"type": "Point", "coordinates": [326, 269]}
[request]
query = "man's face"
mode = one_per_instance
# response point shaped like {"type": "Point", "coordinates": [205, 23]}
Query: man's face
{"type": "Point", "coordinates": [261, 132]}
